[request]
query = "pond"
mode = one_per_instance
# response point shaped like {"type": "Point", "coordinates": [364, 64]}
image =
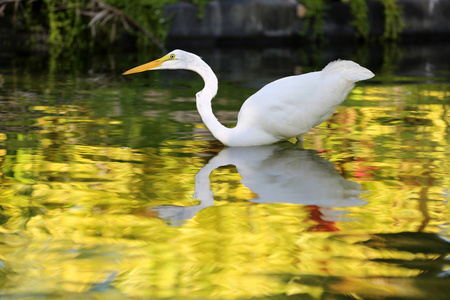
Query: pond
{"type": "Point", "coordinates": [112, 188]}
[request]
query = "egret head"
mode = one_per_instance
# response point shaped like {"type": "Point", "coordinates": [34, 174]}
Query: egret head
{"type": "Point", "coordinates": [177, 59]}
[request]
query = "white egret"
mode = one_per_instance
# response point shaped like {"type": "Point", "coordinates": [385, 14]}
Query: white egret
{"type": "Point", "coordinates": [286, 108]}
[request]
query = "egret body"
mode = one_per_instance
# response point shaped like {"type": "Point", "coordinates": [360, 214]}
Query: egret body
{"type": "Point", "coordinates": [283, 109]}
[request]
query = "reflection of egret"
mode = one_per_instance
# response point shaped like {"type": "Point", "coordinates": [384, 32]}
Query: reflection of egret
{"type": "Point", "coordinates": [277, 174]}
{"type": "Point", "coordinates": [283, 109]}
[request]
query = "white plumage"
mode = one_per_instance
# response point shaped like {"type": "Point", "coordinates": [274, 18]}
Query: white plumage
{"type": "Point", "coordinates": [286, 108]}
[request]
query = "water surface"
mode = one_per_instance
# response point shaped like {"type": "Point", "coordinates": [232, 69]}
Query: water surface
{"type": "Point", "coordinates": [112, 187]}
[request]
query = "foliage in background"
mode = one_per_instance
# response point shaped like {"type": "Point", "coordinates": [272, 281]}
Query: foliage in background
{"type": "Point", "coordinates": [359, 12]}
{"type": "Point", "coordinates": [315, 17]}
{"type": "Point", "coordinates": [64, 22]}
{"type": "Point", "coordinates": [392, 20]}
{"type": "Point", "coordinates": [317, 9]}
{"type": "Point", "coordinates": [81, 24]}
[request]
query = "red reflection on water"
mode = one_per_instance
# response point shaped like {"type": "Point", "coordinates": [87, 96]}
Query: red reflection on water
{"type": "Point", "coordinates": [322, 225]}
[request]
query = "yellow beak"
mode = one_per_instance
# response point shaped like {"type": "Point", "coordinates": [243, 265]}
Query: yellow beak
{"type": "Point", "coordinates": [147, 66]}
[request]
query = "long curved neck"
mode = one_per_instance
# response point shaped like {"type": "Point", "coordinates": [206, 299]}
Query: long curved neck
{"type": "Point", "coordinates": [204, 106]}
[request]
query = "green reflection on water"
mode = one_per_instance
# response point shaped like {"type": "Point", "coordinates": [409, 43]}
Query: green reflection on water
{"type": "Point", "coordinates": [97, 197]}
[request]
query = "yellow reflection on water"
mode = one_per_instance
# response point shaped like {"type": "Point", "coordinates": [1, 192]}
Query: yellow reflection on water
{"type": "Point", "coordinates": [99, 219]}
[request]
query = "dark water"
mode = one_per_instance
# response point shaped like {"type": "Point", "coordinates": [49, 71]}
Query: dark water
{"type": "Point", "coordinates": [112, 188]}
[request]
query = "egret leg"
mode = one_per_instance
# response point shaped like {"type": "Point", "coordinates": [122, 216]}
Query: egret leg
{"type": "Point", "coordinates": [300, 140]}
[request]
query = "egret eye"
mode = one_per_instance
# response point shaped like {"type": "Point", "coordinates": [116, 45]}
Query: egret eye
{"type": "Point", "coordinates": [172, 56]}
